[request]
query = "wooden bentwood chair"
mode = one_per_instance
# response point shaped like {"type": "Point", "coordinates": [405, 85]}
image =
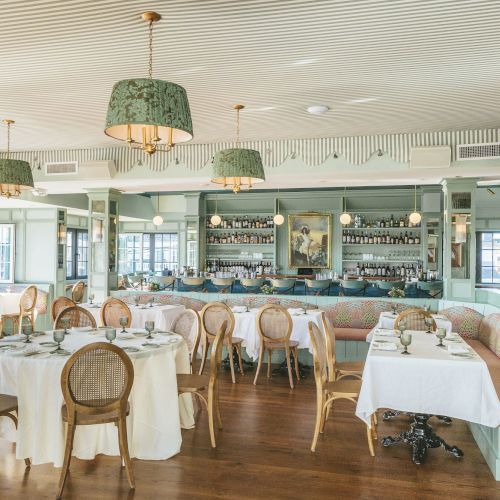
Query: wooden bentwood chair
{"type": "Point", "coordinates": [114, 309]}
{"type": "Point", "coordinates": [328, 392]}
{"type": "Point", "coordinates": [58, 305]}
{"type": "Point", "coordinates": [213, 315]}
{"type": "Point", "coordinates": [414, 319]}
{"type": "Point", "coordinates": [96, 382]}
{"type": "Point", "coordinates": [274, 325]}
{"type": "Point", "coordinates": [78, 317]}
{"type": "Point", "coordinates": [77, 292]}
{"type": "Point", "coordinates": [8, 406]}
{"type": "Point", "coordinates": [27, 306]}
{"type": "Point", "coordinates": [196, 384]}
{"type": "Point", "coordinates": [188, 326]}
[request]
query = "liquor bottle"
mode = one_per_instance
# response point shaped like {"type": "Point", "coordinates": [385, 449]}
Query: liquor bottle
{"type": "Point", "coordinates": [358, 270]}
{"type": "Point", "coordinates": [391, 222]}
{"type": "Point", "coordinates": [417, 239]}
{"type": "Point", "coordinates": [406, 238]}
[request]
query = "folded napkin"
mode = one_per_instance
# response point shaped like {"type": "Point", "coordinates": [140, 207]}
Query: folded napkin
{"type": "Point", "coordinates": [13, 338]}
{"type": "Point", "coordinates": [458, 349]}
{"type": "Point", "coordinates": [296, 310]}
{"type": "Point", "coordinates": [239, 309]}
{"type": "Point", "coordinates": [452, 336]}
{"type": "Point", "coordinates": [386, 346]}
{"type": "Point", "coordinates": [385, 333]}
{"type": "Point", "coordinates": [18, 351]}
{"type": "Point", "coordinates": [125, 336]}
{"type": "Point", "coordinates": [438, 316]}
{"type": "Point", "coordinates": [81, 328]}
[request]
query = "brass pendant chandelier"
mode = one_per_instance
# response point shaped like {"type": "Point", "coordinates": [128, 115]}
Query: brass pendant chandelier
{"type": "Point", "coordinates": [15, 175]}
{"type": "Point", "coordinates": [237, 168]}
{"type": "Point", "coordinates": [153, 114]}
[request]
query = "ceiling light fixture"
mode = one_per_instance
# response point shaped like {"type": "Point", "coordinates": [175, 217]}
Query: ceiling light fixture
{"type": "Point", "coordinates": [237, 167]}
{"type": "Point", "coordinates": [148, 112]}
{"type": "Point", "coordinates": [215, 219]}
{"type": "Point", "coordinates": [415, 217]}
{"type": "Point", "coordinates": [318, 109]}
{"type": "Point", "coordinates": [15, 175]}
{"type": "Point", "coordinates": [158, 219]}
{"type": "Point", "coordinates": [345, 217]}
{"type": "Point", "coordinates": [278, 218]}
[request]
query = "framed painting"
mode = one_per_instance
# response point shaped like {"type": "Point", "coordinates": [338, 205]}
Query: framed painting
{"type": "Point", "coordinates": [310, 240]}
{"type": "Point", "coordinates": [456, 254]}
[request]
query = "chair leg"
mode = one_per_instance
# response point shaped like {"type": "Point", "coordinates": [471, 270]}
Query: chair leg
{"type": "Point", "coordinates": [204, 355]}
{"type": "Point", "coordinates": [240, 361]}
{"type": "Point", "coordinates": [374, 427]}
{"type": "Point", "coordinates": [296, 362]}
{"type": "Point", "coordinates": [217, 405]}
{"type": "Point", "coordinates": [27, 461]}
{"type": "Point", "coordinates": [375, 418]}
{"type": "Point", "coordinates": [269, 359]}
{"type": "Point", "coordinates": [370, 441]}
{"type": "Point", "coordinates": [230, 351]}
{"type": "Point", "coordinates": [211, 417]}
{"type": "Point", "coordinates": [70, 436]}
{"type": "Point", "coordinates": [259, 363]}
{"type": "Point", "coordinates": [289, 366]}
{"type": "Point", "coordinates": [319, 414]}
{"type": "Point", "coordinates": [124, 451]}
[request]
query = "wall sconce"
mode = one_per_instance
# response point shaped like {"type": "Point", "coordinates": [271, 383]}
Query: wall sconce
{"type": "Point", "coordinates": [97, 230]}
{"type": "Point", "coordinates": [61, 233]}
{"type": "Point", "coordinates": [460, 228]}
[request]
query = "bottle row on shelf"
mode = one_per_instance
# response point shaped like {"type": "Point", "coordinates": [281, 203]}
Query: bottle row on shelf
{"type": "Point", "coordinates": [360, 221]}
{"type": "Point", "coordinates": [351, 238]}
{"type": "Point", "coordinates": [240, 269]}
{"type": "Point", "coordinates": [403, 271]}
{"type": "Point", "coordinates": [244, 222]}
{"type": "Point", "coordinates": [241, 238]}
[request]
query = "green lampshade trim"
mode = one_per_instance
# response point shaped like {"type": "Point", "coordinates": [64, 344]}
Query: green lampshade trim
{"type": "Point", "coordinates": [144, 101]}
{"type": "Point", "coordinates": [16, 173]}
{"type": "Point", "coordinates": [245, 164]}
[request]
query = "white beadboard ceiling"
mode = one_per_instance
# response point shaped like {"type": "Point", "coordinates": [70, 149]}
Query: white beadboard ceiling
{"type": "Point", "coordinates": [383, 67]}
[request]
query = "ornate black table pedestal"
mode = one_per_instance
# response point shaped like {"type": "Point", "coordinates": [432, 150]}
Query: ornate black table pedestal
{"type": "Point", "coordinates": [227, 366]}
{"type": "Point", "coordinates": [421, 438]}
{"type": "Point", "coordinates": [390, 414]}
{"type": "Point", "coordinates": [283, 368]}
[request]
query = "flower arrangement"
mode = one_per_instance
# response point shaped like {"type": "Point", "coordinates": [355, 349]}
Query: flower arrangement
{"type": "Point", "coordinates": [396, 293]}
{"type": "Point", "coordinates": [154, 287]}
{"type": "Point", "coordinates": [267, 289]}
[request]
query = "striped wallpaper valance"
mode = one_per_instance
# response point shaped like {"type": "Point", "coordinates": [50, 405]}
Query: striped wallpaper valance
{"type": "Point", "coordinates": [356, 150]}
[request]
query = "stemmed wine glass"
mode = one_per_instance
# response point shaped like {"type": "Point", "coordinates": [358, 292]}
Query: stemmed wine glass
{"type": "Point", "coordinates": [58, 336]}
{"type": "Point", "coordinates": [123, 323]}
{"type": "Point", "coordinates": [137, 299]}
{"type": "Point", "coordinates": [91, 298]}
{"type": "Point", "coordinates": [65, 324]}
{"type": "Point", "coordinates": [393, 307]}
{"type": "Point", "coordinates": [110, 334]}
{"type": "Point", "coordinates": [151, 302]}
{"type": "Point", "coordinates": [441, 334]}
{"type": "Point", "coordinates": [405, 341]}
{"type": "Point", "coordinates": [304, 310]}
{"type": "Point", "coordinates": [428, 323]}
{"type": "Point", "coordinates": [149, 326]}
{"type": "Point", "coordinates": [27, 330]}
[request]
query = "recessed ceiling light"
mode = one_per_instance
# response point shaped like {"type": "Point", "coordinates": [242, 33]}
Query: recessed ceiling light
{"type": "Point", "coordinates": [300, 62]}
{"type": "Point", "coordinates": [363, 100]}
{"type": "Point", "coordinates": [318, 109]}
{"type": "Point", "coordinates": [253, 110]}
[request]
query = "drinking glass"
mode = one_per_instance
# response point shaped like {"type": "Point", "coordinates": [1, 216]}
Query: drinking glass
{"type": "Point", "coordinates": [91, 298]}
{"type": "Point", "coordinates": [123, 323]}
{"type": "Point", "coordinates": [405, 341]}
{"type": "Point", "coordinates": [58, 336]}
{"type": "Point", "coordinates": [110, 334]}
{"type": "Point", "coordinates": [27, 330]}
{"type": "Point", "coordinates": [393, 307]}
{"type": "Point", "coordinates": [137, 299]}
{"type": "Point", "coordinates": [65, 324]}
{"type": "Point", "coordinates": [304, 310]}
{"type": "Point", "coordinates": [441, 334]}
{"type": "Point", "coordinates": [428, 323]}
{"type": "Point", "coordinates": [151, 302]}
{"type": "Point", "coordinates": [149, 326]}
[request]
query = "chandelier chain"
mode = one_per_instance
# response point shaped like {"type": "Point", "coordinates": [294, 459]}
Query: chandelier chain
{"type": "Point", "coordinates": [238, 127]}
{"type": "Point", "coordinates": [8, 140]}
{"type": "Point", "coordinates": [150, 50]}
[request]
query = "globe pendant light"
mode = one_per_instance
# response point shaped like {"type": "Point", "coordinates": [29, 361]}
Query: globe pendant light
{"type": "Point", "coordinates": [345, 217]}
{"type": "Point", "coordinates": [152, 113]}
{"type": "Point", "coordinates": [237, 168]}
{"type": "Point", "coordinates": [15, 175]}
{"type": "Point", "coordinates": [215, 219]}
{"type": "Point", "coordinates": [278, 218]}
{"type": "Point", "coordinates": [158, 219]}
{"type": "Point", "coordinates": [415, 217]}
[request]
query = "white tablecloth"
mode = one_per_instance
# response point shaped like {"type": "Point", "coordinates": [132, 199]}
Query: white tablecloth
{"type": "Point", "coordinates": [156, 411]}
{"type": "Point", "coordinates": [430, 380]}
{"type": "Point", "coordinates": [246, 328]}
{"type": "Point", "coordinates": [9, 303]}
{"type": "Point", "coordinates": [386, 321]}
{"type": "Point", "coordinates": [163, 315]}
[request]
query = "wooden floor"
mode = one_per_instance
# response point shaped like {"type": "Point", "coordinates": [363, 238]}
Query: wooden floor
{"type": "Point", "coordinates": [263, 452]}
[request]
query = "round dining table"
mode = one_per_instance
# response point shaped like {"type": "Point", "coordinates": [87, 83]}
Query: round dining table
{"type": "Point", "coordinates": [32, 373]}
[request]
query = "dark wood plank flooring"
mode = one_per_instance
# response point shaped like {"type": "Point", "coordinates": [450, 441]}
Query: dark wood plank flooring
{"type": "Point", "coordinates": [263, 452]}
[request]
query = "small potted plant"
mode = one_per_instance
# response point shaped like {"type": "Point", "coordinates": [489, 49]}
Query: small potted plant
{"type": "Point", "coordinates": [154, 287]}
{"type": "Point", "coordinates": [267, 289]}
{"type": "Point", "coordinates": [396, 293]}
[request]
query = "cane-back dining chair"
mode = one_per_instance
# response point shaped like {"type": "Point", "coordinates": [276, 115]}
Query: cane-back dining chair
{"type": "Point", "coordinates": [77, 292]}
{"type": "Point", "coordinates": [212, 315]}
{"type": "Point", "coordinates": [78, 318]}
{"type": "Point", "coordinates": [96, 382]}
{"type": "Point", "coordinates": [188, 325]}
{"type": "Point", "coordinates": [206, 388]}
{"type": "Point", "coordinates": [338, 370]}
{"type": "Point", "coordinates": [274, 325]}
{"type": "Point", "coordinates": [415, 319]}
{"type": "Point", "coordinates": [27, 306]}
{"type": "Point", "coordinates": [114, 309]}
{"type": "Point", "coordinates": [328, 392]}
{"type": "Point", "coordinates": [59, 304]}
{"type": "Point", "coordinates": [9, 409]}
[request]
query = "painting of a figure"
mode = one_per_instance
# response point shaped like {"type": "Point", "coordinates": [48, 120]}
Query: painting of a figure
{"type": "Point", "coordinates": [309, 244]}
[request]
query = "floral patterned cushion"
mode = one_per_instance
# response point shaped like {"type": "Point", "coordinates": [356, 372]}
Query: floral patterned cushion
{"type": "Point", "coordinates": [466, 321]}
{"type": "Point", "coordinates": [257, 301]}
{"type": "Point", "coordinates": [489, 333]}
{"type": "Point", "coordinates": [360, 314]}
{"type": "Point", "coordinates": [174, 299]}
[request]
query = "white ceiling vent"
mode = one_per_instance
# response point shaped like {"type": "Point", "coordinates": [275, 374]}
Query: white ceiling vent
{"type": "Point", "coordinates": [486, 151]}
{"type": "Point", "coordinates": [430, 157]}
{"type": "Point", "coordinates": [61, 168]}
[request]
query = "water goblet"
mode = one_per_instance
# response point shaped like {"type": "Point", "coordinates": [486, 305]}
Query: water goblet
{"type": "Point", "coordinates": [393, 307]}
{"type": "Point", "coordinates": [65, 324]}
{"type": "Point", "coordinates": [123, 323]}
{"type": "Point", "coordinates": [304, 310]}
{"type": "Point", "coordinates": [110, 334]}
{"type": "Point", "coordinates": [405, 341]}
{"type": "Point", "coordinates": [58, 336]}
{"type": "Point", "coordinates": [91, 298]}
{"type": "Point", "coordinates": [428, 323]}
{"type": "Point", "coordinates": [137, 299]}
{"type": "Point", "coordinates": [151, 302]}
{"type": "Point", "coordinates": [27, 330]}
{"type": "Point", "coordinates": [441, 334]}
{"type": "Point", "coordinates": [149, 326]}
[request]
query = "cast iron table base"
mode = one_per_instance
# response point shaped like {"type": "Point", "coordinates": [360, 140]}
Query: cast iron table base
{"type": "Point", "coordinates": [283, 368]}
{"type": "Point", "coordinates": [390, 414]}
{"type": "Point", "coordinates": [421, 438]}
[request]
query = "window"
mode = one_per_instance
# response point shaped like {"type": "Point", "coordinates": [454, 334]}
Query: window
{"type": "Point", "coordinates": [7, 252]}
{"type": "Point", "coordinates": [488, 257]}
{"type": "Point", "coordinates": [148, 252]}
{"type": "Point", "coordinates": [76, 253]}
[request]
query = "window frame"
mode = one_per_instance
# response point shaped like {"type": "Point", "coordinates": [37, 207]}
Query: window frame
{"type": "Point", "coordinates": [12, 263]}
{"type": "Point", "coordinates": [479, 257]}
{"type": "Point", "coordinates": [74, 234]}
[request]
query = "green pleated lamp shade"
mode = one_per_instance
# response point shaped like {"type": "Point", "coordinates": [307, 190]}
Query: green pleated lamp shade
{"type": "Point", "coordinates": [144, 102]}
{"type": "Point", "coordinates": [238, 167]}
{"type": "Point", "coordinates": [15, 176]}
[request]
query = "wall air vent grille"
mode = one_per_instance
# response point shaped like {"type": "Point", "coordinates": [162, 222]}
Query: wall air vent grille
{"type": "Point", "coordinates": [461, 201]}
{"type": "Point", "coordinates": [478, 151]}
{"type": "Point", "coordinates": [61, 168]}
